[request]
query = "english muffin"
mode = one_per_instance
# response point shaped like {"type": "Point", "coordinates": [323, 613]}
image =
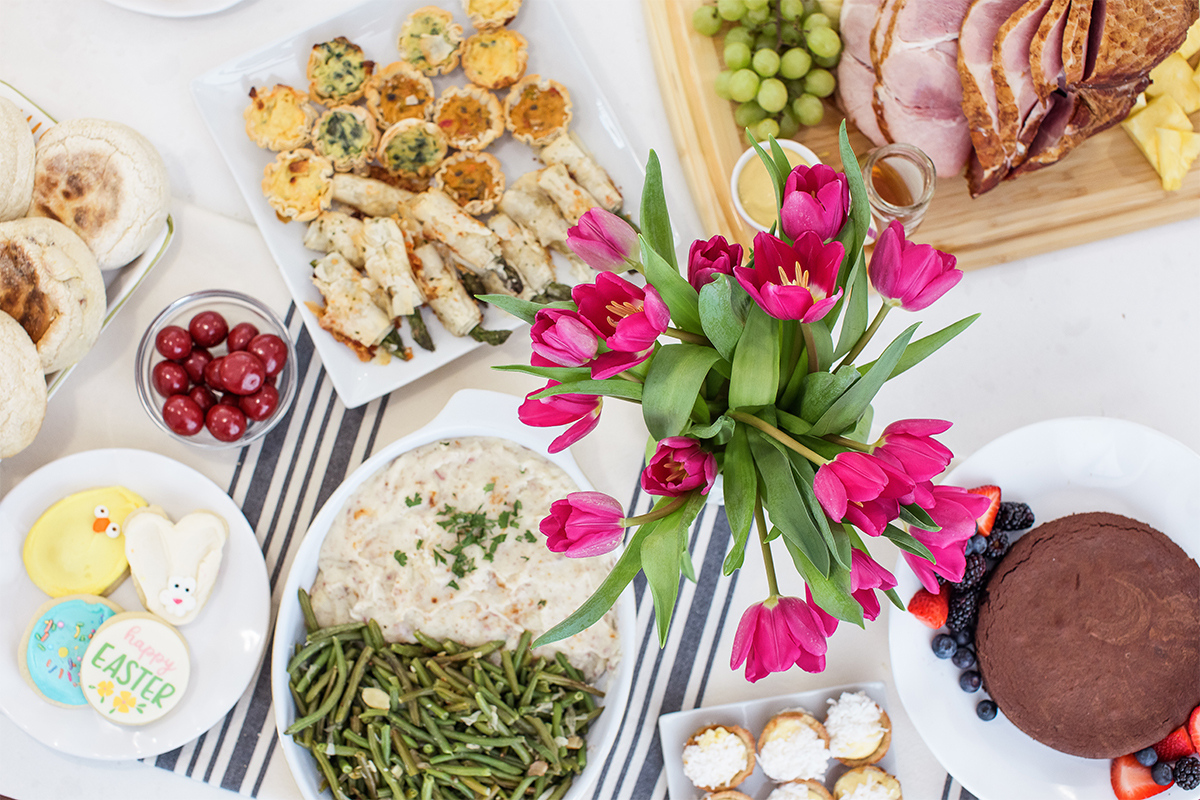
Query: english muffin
{"type": "Point", "coordinates": [337, 72]}
{"type": "Point", "coordinates": [106, 182]}
{"type": "Point", "coordinates": [537, 109]}
{"type": "Point", "coordinates": [869, 783]}
{"type": "Point", "coordinates": [279, 118]}
{"type": "Point", "coordinates": [50, 284]}
{"type": "Point", "coordinates": [298, 185]}
{"type": "Point", "coordinates": [23, 391]}
{"type": "Point", "coordinates": [399, 91]}
{"type": "Point", "coordinates": [474, 180]}
{"type": "Point", "coordinates": [17, 156]}
{"type": "Point", "coordinates": [495, 59]}
{"type": "Point", "coordinates": [412, 148]}
{"type": "Point", "coordinates": [431, 40]}
{"type": "Point", "coordinates": [487, 15]}
{"type": "Point", "coordinates": [347, 136]}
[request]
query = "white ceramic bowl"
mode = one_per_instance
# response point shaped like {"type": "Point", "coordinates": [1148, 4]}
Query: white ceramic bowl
{"type": "Point", "coordinates": [470, 412]}
{"type": "Point", "coordinates": [787, 144]}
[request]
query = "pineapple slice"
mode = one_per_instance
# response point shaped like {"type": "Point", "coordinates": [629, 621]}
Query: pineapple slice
{"type": "Point", "coordinates": [1176, 152]}
{"type": "Point", "coordinates": [1174, 77]}
{"type": "Point", "coordinates": [1161, 112]}
{"type": "Point", "coordinates": [1191, 45]}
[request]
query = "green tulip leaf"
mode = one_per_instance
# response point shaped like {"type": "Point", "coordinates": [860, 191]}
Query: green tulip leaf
{"type": "Point", "coordinates": [656, 221]}
{"type": "Point", "coordinates": [832, 592]}
{"type": "Point", "coordinates": [822, 389]}
{"type": "Point", "coordinates": [675, 291]}
{"type": "Point", "coordinates": [844, 413]}
{"type": "Point", "coordinates": [560, 374]}
{"type": "Point", "coordinates": [860, 208]}
{"type": "Point", "coordinates": [777, 178]}
{"type": "Point", "coordinates": [835, 538]}
{"type": "Point", "coordinates": [522, 309]}
{"type": "Point", "coordinates": [689, 569]}
{"type": "Point", "coordinates": [907, 543]}
{"type": "Point", "coordinates": [672, 385]}
{"type": "Point", "coordinates": [756, 362]}
{"type": "Point", "coordinates": [662, 561]}
{"type": "Point", "coordinates": [721, 427]}
{"type": "Point", "coordinates": [921, 349]}
{"type": "Point", "coordinates": [792, 423]}
{"type": "Point", "coordinates": [741, 490]}
{"type": "Point", "coordinates": [862, 429]}
{"type": "Point", "coordinates": [721, 323]}
{"type": "Point", "coordinates": [918, 517]}
{"type": "Point", "coordinates": [615, 387]}
{"type": "Point", "coordinates": [782, 164]}
{"type": "Point", "coordinates": [895, 598]}
{"type": "Point", "coordinates": [855, 322]}
{"type": "Point", "coordinates": [784, 502]}
{"type": "Point", "coordinates": [824, 345]}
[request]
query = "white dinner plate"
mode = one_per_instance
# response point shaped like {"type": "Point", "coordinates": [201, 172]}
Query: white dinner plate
{"type": "Point", "coordinates": [174, 8]}
{"type": "Point", "coordinates": [674, 729]}
{"type": "Point", "coordinates": [226, 639]}
{"type": "Point", "coordinates": [222, 96]}
{"type": "Point", "coordinates": [1058, 467]}
{"type": "Point", "coordinates": [470, 412]}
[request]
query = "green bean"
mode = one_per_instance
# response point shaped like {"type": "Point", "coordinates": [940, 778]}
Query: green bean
{"type": "Point", "coordinates": [523, 652]}
{"type": "Point", "coordinates": [334, 630]}
{"type": "Point", "coordinates": [475, 652]}
{"type": "Point", "coordinates": [494, 763]}
{"type": "Point", "coordinates": [310, 619]}
{"type": "Point", "coordinates": [352, 688]}
{"type": "Point", "coordinates": [301, 706]}
{"type": "Point", "coordinates": [427, 786]}
{"type": "Point", "coordinates": [374, 634]}
{"type": "Point", "coordinates": [317, 687]}
{"type": "Point", "coordinates": [522, 787]}
{"type": "Point", "coordinates": [327, 771]}
{"type": "Point", "coordinates": [423, 675]}
{"type": "Point", "coordinates": [330, 700]}
{"type": "Point", "coordinates": [531, 686]}
{"type": "Point", "coordinates": [361, 758]}
{"type": "Point", "coordinates": [428, 642]}
{"type": "Point", "coordinates": [461, 769]}
{"type": "Point", "coordinates": [385, 742]}
{"type": "Point", "coordinates": [441, 672]}
{"type": "Point", "coordinates": [477, 787]}
{"type": "Point", "coordinates": [510, 672]}
{"type": "Point", "coordinates": [417, 733]}
{"type": "Point", "coordinates": [562, 788]}
{"type": "Point", "coordinates": [559, 680]}
{"type": "Point", "coordinates": [313, 670]}
{"type": "Point", "coordinates": [406, 756]}
{"type": "Point", "coordinates": [435, 731]}
{"type": "Point", "coordinates": [354, 738]}
{"type": "Point", "coordinates": [406, 650]}
{"type": "Point", "coordinates": [304, 654]}
{"type": "Point", "coordinates": [482, 741]}
{"type": "Point", "coordinates": [381, 763]}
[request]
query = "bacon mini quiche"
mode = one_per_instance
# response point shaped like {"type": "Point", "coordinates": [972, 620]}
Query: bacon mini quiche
{"type": "Point", "coordinates": [399, 91]}
{"type": "Point", "coordinates": [298, 184]}
{"type": "Point", "coordinates": [495, 59]}
{"type": "Point", "coordinates": [470, 117]}
{"type": "Point", "coordinates": [537, 109]}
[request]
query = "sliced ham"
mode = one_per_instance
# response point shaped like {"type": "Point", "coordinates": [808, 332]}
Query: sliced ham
{"type": "Point", "coordinates": [1018, 105]}
{"type": "Point", "coordinates": [1075, 41]}
{"type": "Point", "coordinates": [1045, 51]}
{"type": "Point", "coordinates": [855, 76]}
{"type": "Point", "coordinates": [1128, 38]}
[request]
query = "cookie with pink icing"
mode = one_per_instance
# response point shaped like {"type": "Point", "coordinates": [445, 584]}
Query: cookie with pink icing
{"type": "Point", "coordinates": [136, 669]}
{"type": "Point", "coordinates": [174, 565]}
{"type": "Point", "coordinates": [55, 642]}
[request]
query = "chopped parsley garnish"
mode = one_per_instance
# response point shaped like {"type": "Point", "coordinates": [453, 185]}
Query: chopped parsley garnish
{"type": "Point", "coordinates": [472, 528]}
{"type": "Point", "coordinates": [541, 603]}
{"type": "Point", "coordinates": [490, 486]}
{"type": "Point", "coordinates": [529, 537]}
{"type": "Point", "coordinates": [420, 543]}
{"type": "Point", "coordinates": [453, 584]}
{"type": "Point", "coordinates": [401, 558]}
{"type": "Point", "coordinates": [415, 500]}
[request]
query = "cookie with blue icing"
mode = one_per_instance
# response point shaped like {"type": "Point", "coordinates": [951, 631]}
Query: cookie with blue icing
{"type": "Point", "coordinates": [53, 647]}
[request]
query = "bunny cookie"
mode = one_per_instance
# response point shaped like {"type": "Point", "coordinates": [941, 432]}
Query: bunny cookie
{"type": "Point", "coordinates": [174, 565]}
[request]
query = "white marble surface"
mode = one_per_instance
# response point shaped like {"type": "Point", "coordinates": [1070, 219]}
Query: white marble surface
{"type": "Point", "coordinates": [1107, 329]}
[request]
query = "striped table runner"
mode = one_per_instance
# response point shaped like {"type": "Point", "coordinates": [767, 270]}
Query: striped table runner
{"type": "Point", "coordinates": [281, 483]}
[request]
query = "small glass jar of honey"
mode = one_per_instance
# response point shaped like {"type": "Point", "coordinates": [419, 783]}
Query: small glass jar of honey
{"type": "Point", "coordinates": [900, 181]}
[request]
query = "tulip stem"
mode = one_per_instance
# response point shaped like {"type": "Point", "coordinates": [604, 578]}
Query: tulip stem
{"type": "Point", "coordinates": [657, 513]}
{"type": "Point", "coordinates": [779, 436]}
{"type": "Point", "coordinates": [850, 443]}
{"type": "Point", "coordinates": [810, 345]}
{"type": "Point", "coordinates": [691, 338]}
{"type": "Point", "coordinates": [866, 337]}
{"type": "Point", "coordinates": [760, 522]}
{"type": "Point", "coordinates": [628, 376]}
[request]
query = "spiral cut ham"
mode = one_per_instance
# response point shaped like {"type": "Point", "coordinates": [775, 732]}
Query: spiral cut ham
{"type": "Point", "coordinates": [1002, 87]}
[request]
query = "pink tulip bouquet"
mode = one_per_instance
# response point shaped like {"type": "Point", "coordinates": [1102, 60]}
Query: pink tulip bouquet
{"type": "Point", "coordinates": [749, 368]}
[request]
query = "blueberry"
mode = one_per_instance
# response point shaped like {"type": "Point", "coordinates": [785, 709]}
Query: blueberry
{"type": "Point", "coordinates": [963, 658]}
{"type": "Point", "coordinates": [944, 646]}
{"type": "Point", "coordinates": [1161, 773]}
{"type": "Point", "coordinates": [1147, 757]}
{"type": "Point", "coordinates": [963, 637]}
{"type": "Point", "coordinates": [970, 681]}
{"type": "Point", "coordinates": [986, 710]}
{"type": "Point", "coordinates": [976, 544]}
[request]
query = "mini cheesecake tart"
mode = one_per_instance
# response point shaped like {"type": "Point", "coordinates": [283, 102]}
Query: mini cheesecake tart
{"type": "Point", "coordinates": [728, 794]}
{"type": "Point", "coordinates": [338, 71]}
{"type": "Point", "coordinates": [412, 148]}
{"type": "Point", "coordinates": [399, 91]}
{"type": "Point", "coordinates": [470, 117]}
{"type": "Point", "coordinates": [794, 746]}
{"type": "Point", "coordinates": [431, 40]}
{"type": "Point", "coordinates": [298, 185]}
{"type": "Point", "coordinates": [474, 180]}
{"type": "Point", "coordinates": [495, 59]}
{"type": "Point", "coordinates": [867, 783]}
{"type": "Point", "coordinates": [279, 118]}
{"type": "Point", "coordinates": [347, 136]}
{"type": "Point", "coordinates": [537, 109]}
{"type": "Point", "coordinates": [800, 790]}
{"type": "Point", "coordinates": [488, 15]}
{"type": "Point", "coordinates": [717, 758]}
{"type": "Point", "coordinates": [860, 732]}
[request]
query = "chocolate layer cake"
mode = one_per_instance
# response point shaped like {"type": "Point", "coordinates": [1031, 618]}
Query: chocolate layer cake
{"type": "Point", "coordinates": [1089, 635]}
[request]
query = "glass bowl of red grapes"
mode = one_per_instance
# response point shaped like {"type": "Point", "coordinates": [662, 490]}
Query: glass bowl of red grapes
{"type": "Point", "coordinates": [216, 369]}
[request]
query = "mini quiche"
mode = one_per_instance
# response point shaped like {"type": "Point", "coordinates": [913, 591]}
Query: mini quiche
{"type": "Point", "coordinates": [279, 118]}
{"type": "Point", "coordinates": [337, 71]}
{"type": "Point", "coordinates": [537, 109]}
{"type": "Point", "coordinates": [347, 136]}
{"type": "Point", "coordinates": [431, 40]}
{"type": "Point", "coordinates": [487, 15]}
{"type": "Point", "coordinates": [399, 91]}
{"type": "Point", "coordinates": [474, 180]}
{"type": "Point", "coordinates": [298, 184]}
{"type": "Point", "coordinates": [412, 148]}
{"type": "Point", "coordinates": [470, 117]}
{"type": "Point", "coordinates": [495, 59]}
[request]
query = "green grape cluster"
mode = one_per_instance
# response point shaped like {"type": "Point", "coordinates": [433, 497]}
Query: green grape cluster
{"type": "Point", "coordinates": [778, 55]}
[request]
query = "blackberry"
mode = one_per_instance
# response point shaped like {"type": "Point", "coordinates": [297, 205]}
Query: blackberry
{"type": "Point", "coordinates": [1013, 517]}
{"type": "Point", "coordinates": [997, 545]}
{"type": "Point", "coordinates": [977, 568]}
{"type": "Point", "coordinates": [1187, 773]}
{"type": "Point", "coordinates": [964, 610]}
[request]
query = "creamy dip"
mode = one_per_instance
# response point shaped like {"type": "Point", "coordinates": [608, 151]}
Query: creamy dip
{"type": "Point", "coordinates": [756, 190]}
{"type": "Point", "coordinates": [445, 540]}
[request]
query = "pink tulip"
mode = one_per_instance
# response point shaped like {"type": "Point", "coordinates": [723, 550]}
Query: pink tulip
{"type": "Point", "coordinates": [626, 316]}
{"type": "Point", "coordinates": [910, 275]}
{"type": "Point", "coordinates": [563, 337]}
{"type": "Point", "coordinates": [562, 409]}
{"type": "Point", "coordinates": [862, 490]}
{"type": "Point", "coordinates": [708, 259]}
{"type": "Point", "coordinates": [604, 240]}
{"type": "Point", "coordinates": [678, 466]}
{"type": "Point", "coordinates": [776, 634]}
{"type": "Point", "coordinates": [955, 510]}
{"type": "Point", "coordinates": [815, 199]}
{"type": "Point", "coordinates": [866, 575]}
{"type": "Point", "coordinates": [908, 445]}
{"type": "Point", "coordinates": [584, 524]}
{"type": "Point", "coordinates": [793, 282]}
{"type": "Point", "coordinates": [828, 622]}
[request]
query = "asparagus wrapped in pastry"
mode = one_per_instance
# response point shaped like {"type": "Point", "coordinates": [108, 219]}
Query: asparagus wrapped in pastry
{"type": "Point", "coordinates": [472, 244]}
{"type": "Point", "coordinates": [563, 149]}
{"type": "Point", "coordinates": [387, 264]}
{"type": "Point", "coordinates": [532, 208]}
{"type": "Point", "coordinates": [371, 197]}
{"type": "Point", "coordinates": [350, 314]}
{"type": "Point", "coordinates": [522, 250]}
{"type": "Point", "coordinates": [573, 200]}
{"type": "Point", "coordinates": [335, 232]}
{"type": "Point", "coordinates": [445, 294]}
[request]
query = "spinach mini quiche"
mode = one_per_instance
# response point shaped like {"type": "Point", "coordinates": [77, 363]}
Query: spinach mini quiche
{"type": "Point", "coordinates": [430, 40]}
{"type": "Point", "coordinates": [338, 71]}
{"type": "Point", "coordinates": [412, 148]}
{"type": "Point", "coordinates": [347, 136]}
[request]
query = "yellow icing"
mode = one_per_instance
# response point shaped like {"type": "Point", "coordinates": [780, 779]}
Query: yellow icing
{"type": "Point", "coordinates": [65, 554]}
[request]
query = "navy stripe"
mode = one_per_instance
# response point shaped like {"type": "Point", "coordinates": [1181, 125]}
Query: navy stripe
{"type": "Point", "coordinates": [212, 762]}
{"type": "Point", "coordinates": [252, 726]}
{"type": "Point", "coordinates": [262, 772]}
{"type": "Point", "coordinates": [946, 788]}
{"type": "Point", "coordinates": [965, 795]}
{"type": "Point", "coordinates": [380, 411]}
{"type": "Point", "coordinates": [199, 748]}
{"type": "Point", "coordinates": [721, 532]}
{"type": "Point", "coordinates": [168, 759]}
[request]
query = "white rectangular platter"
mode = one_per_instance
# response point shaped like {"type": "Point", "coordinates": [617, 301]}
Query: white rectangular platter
{"type": "Point", "coordinates": [223, 94]}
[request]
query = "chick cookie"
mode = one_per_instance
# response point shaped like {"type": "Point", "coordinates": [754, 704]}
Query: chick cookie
{"type": "Point", "coordinates": [718, 757]}
{"type": "Point", "coordinates": [136, 669]}
{"type": "Point", "coordinates": [53, 647]}
{"type": "Point", "coordinates": [859, 730]}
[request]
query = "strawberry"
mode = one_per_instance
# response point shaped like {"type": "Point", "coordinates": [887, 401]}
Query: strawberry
{"type": "Point", "coordinates": [931, 609]}
{"type": "Point", "coordinates": [1177, 744]}
{"type": "Point", "coordinates": [1193, 727]}
{"type": "Point", "coordinates": [1132, 781]}
{"type": "Point", "coordinates": [987, 519]}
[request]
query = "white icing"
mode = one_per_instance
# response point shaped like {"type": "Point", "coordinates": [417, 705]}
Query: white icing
{"type": "Point", "coordinates": [790, 791]}
{"type": "Point", "coordinates": [716, 757]}
{"type": "Point", "coordinates": [135, 670]}
{"type": "Point", "coordinates": [175, 565]}
{"type": "Point", "coordinates": [853, 724]}
{"type": "Point", "coordinates": [794, 752]}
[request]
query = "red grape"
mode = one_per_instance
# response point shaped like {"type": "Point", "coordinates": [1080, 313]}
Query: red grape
{"type": "Point", "coordinates": [169, 378]}
{"type": "Point", "coordinates": [242, 373]}
{"type": "Point", "coordinates": [271, 350]}
{"type": "Point", "coordinates": [208, 328]}
{"type": "Point", "coordinates": [212, 374]}
{"type": "Point", "coordinates": [229, 399]}
{"type": "Point", "coordinates": [240, 336]}
{"type": "Point", "coordinates": [195, 363]}
{"type": "Point", "coordinates": [173, 342]}
{"type": "Point", "coordinates": [183, 415]}
{"type": "Point", "coordinates": [225, 422]}
{"type": "Point", "coordinates": [261, 404]}
{"type": "Point", "coordinates": [203, 397]}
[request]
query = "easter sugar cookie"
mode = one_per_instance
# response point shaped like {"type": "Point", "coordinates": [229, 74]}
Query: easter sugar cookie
{"type": "Point", "coordinates": [54, 644]}
{"type": "Point", "coordinates": [174, 565]}
{"type": "Point", "coordinates": [136, 669]}
{"type": "Point", "coordinates": [76, 546]}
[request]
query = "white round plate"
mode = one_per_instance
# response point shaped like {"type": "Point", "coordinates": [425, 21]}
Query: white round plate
{"type": "Point", "coordinates": [174, 8]}
{"type": "Point", "coordinates": [1058, 467]}
{"type": "Point", "coordinates": [226, 640]}
{"type": "Point", "coordinates": [470, 412]}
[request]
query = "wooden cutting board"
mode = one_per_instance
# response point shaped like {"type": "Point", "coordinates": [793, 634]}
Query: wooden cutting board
{"type": "Point", "coordinates": [1105, 187]}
